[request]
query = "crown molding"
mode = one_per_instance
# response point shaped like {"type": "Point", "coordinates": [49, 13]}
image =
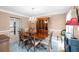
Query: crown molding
{"type": "Point", "coordinates": [50, 14]}
{"type": "Point", "coordinates": [13, 13]}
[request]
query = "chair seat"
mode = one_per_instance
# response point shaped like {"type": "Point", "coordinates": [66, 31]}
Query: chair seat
{"type": "Point", "coordinates": [36, 43]}
{"type": "Point", "coordinates": [45, 42]}
{"type": "Point", "coordinates": [25, 39]}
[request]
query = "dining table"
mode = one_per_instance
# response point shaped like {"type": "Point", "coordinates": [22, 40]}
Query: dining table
{"type": "Point", "coordinates": [35, 37]}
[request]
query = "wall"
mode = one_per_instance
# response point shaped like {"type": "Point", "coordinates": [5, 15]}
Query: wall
{"type": "Point", "coordinates": [57, 24]}
{"type": "Point", "coordinates": [25, 23]}
{"type": "Point", "coordinates": [5, 22]}
{"type": "Point", "coordinates": [76, 31]}
{"type": "Point", "coordinates": [76, 28]}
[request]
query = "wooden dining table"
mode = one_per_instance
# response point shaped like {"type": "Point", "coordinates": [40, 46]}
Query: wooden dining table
{"type": "Point", "coordinates": [36, 36]}
{"type": "Point", "coordinates": [40, 36]}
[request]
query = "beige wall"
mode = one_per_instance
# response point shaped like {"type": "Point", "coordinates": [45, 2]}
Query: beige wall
{"type": "Point", "coordinates": [25, 23]}
{"type": "Point", "coordinates": [76, 31]}
{"type": "Point", "coordinates": [5, 22]}
{"type": "Point", "coordinates": [57, 24]}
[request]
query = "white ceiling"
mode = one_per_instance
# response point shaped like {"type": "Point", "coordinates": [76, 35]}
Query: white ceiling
{"type": "Point", "coordinates": [35, 10]}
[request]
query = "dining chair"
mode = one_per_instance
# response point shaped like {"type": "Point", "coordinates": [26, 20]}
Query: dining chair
{"type": "Point", "coordinates": [31, 42]}
{"type": "Point", "coordinates": [22, 39]}
{"type": "Point", "coordinates": [48, 42]}
{"type": "Point", "coordinates": [20, 36]}
{"type": "Point", "coordinates": [36, 44]}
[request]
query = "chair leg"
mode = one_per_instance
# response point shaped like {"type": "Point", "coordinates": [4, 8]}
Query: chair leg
{"type": "Point", "coordinates": [28, 49]}
{"type": "Point", "coordinates": [43, 46]}
{"type": "Point", "coordinates": [22, 45]}
{"type": "Point", "coordinates": [34, 49]}
{"type": "Point", "coordinates": [49, 47]}
{"type": "Point", "coordinates": [19, 43]}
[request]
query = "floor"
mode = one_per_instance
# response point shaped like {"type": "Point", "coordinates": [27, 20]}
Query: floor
{"type": "Point", "coordinates": [57, 46]}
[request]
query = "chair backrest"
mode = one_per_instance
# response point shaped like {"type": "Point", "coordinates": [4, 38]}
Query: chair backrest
{"type": "Point", "coordinates": [50, 41]}
{"type": "Point", "coordinates": [50, 35]}
{"type": "Point", "coordinates": [19, 33]}
{"type": "Point", "coordinates": [21, 36]}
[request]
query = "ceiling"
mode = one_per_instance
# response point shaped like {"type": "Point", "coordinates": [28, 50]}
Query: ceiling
{"type": "Point", "coordinates": [35, 10]}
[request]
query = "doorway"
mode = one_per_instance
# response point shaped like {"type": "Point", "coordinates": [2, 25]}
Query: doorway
{"type": "Point", "coordinates": [15, 25]}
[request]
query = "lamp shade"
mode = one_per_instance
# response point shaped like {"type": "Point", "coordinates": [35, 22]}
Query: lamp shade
{"type": "Point", "coordinates": [73, 21]}
{"type": "Point", "coordinates": [68, 23]}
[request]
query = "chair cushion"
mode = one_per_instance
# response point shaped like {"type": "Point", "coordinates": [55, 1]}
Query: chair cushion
{"type": "Point", "coordinates": [37, 42]}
